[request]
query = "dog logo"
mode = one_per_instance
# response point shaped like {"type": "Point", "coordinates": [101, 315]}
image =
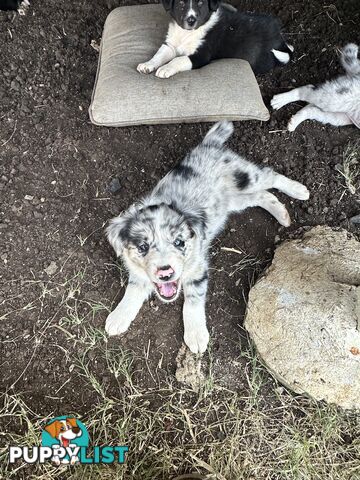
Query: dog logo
{"type": "Point", "coordinates": [65, 435]}
{"type": "Point", "coordinates": [65, 440]}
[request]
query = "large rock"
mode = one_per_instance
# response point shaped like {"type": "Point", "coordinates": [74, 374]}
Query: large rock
{"type": "Point", "coordinates": [304, 316]}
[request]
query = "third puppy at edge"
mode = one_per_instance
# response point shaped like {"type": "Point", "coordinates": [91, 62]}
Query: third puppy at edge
{"type": "Point", "coordinates": [206, 30]}
{"type": "Point", "coordinates": [164, 238]}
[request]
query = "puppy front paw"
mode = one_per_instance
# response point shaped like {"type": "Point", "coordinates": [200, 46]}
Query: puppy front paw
{"type": "Point", "coordinates": [166, 71]}
{"type": "Point", "coordinates": [146, 67]}
{"type": "Point", "coordinates": [280, 100]}
{"type": "Point", "coordinates": [196, 338]}
{"type": "Point", "coordinates": [116, 324]}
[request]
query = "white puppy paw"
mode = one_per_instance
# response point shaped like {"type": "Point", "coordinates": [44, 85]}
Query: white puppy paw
{"type": "Point", "coordinates": [284, 218]}
{"type": "Point", "coordinates": [166, 71]}
{"type": "Point", "coordinates": [299, 191]}
{"type": "Point", "coordinates": [280, 100]}
{"type": "Point", "coordinates": [146, 67]}
{"type": "Point", "coordinates": [197, 338]}
{"type": "Point", "coordinates": [293, 124]}
{"type": "Point", "coordinates": [116, 324]}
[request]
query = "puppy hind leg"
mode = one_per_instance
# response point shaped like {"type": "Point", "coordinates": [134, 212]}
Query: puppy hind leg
{"type": "Point", "coordinates": [298, 94]}
{"type": "Point", "coordinates": [271, 204]}
{"type": "Point", "coordinates": [265, 200]}
{"type": "Point", "coordinates": [266, 178]}
{"type": "Point", "coordinates": [310, 112]}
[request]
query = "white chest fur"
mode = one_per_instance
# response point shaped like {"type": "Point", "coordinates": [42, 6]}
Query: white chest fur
{"type": "Point", "coordinates": [186, 42]}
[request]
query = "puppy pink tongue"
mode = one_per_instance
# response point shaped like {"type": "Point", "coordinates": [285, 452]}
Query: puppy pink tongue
{"type": "Point", "coordinates": [167, 290]}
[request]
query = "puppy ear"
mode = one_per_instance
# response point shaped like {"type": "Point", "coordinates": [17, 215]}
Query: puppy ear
{"type": "Point", "coordinates": [53, 429]}
{"type": "Point", "coordinates": [168, 4]}
{"type": "Point", "coordinates": [118, 230]}
{"type": "Point", "coordinates": [213, 5]}
{"type": "Point", "coordinates": [197, 223]}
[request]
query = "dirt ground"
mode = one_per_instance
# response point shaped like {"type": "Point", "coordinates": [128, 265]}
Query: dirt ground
{"type": "Point", "coordinates": [58, 275]}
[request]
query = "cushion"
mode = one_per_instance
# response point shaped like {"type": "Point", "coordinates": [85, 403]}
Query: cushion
{"type": "Point", "coordinates": [225, 89]}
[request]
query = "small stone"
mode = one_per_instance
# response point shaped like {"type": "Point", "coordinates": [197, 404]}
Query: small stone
{"type": "Point", "coordinates": [114, 186]}
{"type": "Point", "coordinates": [51, 269]}
{"type": "Point", "coordinates": [29, 197]}
{"type": "Point", "coordinates": [355, 220]}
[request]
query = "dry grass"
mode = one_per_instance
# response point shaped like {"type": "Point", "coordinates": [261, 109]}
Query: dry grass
{"type": "Point", "coordinates": [262, 432]}
{"type": "Point", "coordinates": [350, 169]}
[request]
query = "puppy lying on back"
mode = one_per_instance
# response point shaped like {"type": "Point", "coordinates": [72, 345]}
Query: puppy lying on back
{"type": "Point", "coordinates": [164, 239]}
{"type": "Point", "coordinates": [206, 30]}
{"type": "Point", "coordinates": [336, 102]}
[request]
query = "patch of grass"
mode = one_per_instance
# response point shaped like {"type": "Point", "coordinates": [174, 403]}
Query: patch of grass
{"type": "Point", "coordinates": [222, 435]}
{"type": "Point", "coordinates": [262, 432]}
{"type": "Point", "coordinates": [350, 169]}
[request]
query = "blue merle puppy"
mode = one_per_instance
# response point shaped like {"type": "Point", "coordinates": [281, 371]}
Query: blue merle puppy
{"type": "Point", "coordinates": [164, 239]}
{"type": "Point", "coordinates": [336, 101]}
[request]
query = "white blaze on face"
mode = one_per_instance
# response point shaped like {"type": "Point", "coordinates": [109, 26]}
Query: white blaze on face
{"type": "Point", "coordinates": [191, 12]}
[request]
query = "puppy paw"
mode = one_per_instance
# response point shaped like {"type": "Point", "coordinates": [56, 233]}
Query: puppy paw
{"type": "Point", "coordinates": [116, 324]}
{"type": "Point", "coordinates": [146, 67]}
{"type": "Point", "coordinates": [166, 71]}
{"type": "Point", "coordinates": [350, 51]}
{"type": "Point", "coordinates": [284, 218]}
{"type": "Point", "coordinates": [197, 338]}
{"type": "Point", "coordinates": [280, 100]}
{"type": "Point", "coordinates": [292, 125]}
{"type": "Point", "coordinates": [299, 191]}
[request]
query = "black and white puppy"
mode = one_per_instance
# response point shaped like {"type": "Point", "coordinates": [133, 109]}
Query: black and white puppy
{"type": "Point", "coordinates": [19, 5]}
{"type": "Point", "coordinates": [206, 30]}
{"type": "Point", "coordinates": [336, 101]}
{"type": "Point", "coordinates": [164, 239]}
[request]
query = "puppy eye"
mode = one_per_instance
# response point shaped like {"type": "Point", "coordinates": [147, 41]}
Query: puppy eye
{"type": "Point", "coordinates": [143, 248]}
{"type": "Point", "coordinates": [179, 243]}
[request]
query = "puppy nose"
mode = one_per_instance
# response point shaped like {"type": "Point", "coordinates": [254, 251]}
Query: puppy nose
{"type": "Point", "coordinates": [76, 430]}
{"type": "Point", "coordinates": [191, 20]}
{"type": "Point", "coordinates": [165, 272]}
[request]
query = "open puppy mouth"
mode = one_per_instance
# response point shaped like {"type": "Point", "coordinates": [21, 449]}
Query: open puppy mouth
{"type": "Point", "coordinates": [168, 291]}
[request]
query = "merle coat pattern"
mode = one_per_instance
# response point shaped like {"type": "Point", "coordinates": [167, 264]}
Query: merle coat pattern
{"type": "Point", "coordinates": [164, 239]}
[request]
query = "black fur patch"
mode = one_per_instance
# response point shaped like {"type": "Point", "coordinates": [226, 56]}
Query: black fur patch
{"type": "Point", "coordinates": [184, 171]}
{"type": "Point", "coordinates": [9, 4]}
{"type": "Point", "coordinates": [152, 208]}
{"type": "Point", "coordinates": [342, 90]}
{"type": "Point", "coordinates": [242, 35]}
{"type": "Point", "coordinates": [242, 180]}
{"type": "Point", "coordinates": [198, 282]}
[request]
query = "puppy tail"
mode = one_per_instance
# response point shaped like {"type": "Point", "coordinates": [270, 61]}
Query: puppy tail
{"type": "Point", "coordinates": [349, 59]}
{"type": "Point", "coordinates": [219, 133]}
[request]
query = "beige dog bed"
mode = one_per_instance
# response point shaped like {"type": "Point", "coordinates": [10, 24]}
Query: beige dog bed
{"type": "Point", "coordinates": [225, 89]}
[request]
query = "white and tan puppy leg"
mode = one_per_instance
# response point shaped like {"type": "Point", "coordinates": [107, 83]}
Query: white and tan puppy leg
{"type": "Point", "coordinates": [161, 57]}
{"type": "Point", "coordinates": [120, 319]}
{"type": "Point", "coordinates": [179, 64]}
{"type": "Point", "coordinates": [310, 112]}
{"type": "Point", "coordinates": [196, 335]}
